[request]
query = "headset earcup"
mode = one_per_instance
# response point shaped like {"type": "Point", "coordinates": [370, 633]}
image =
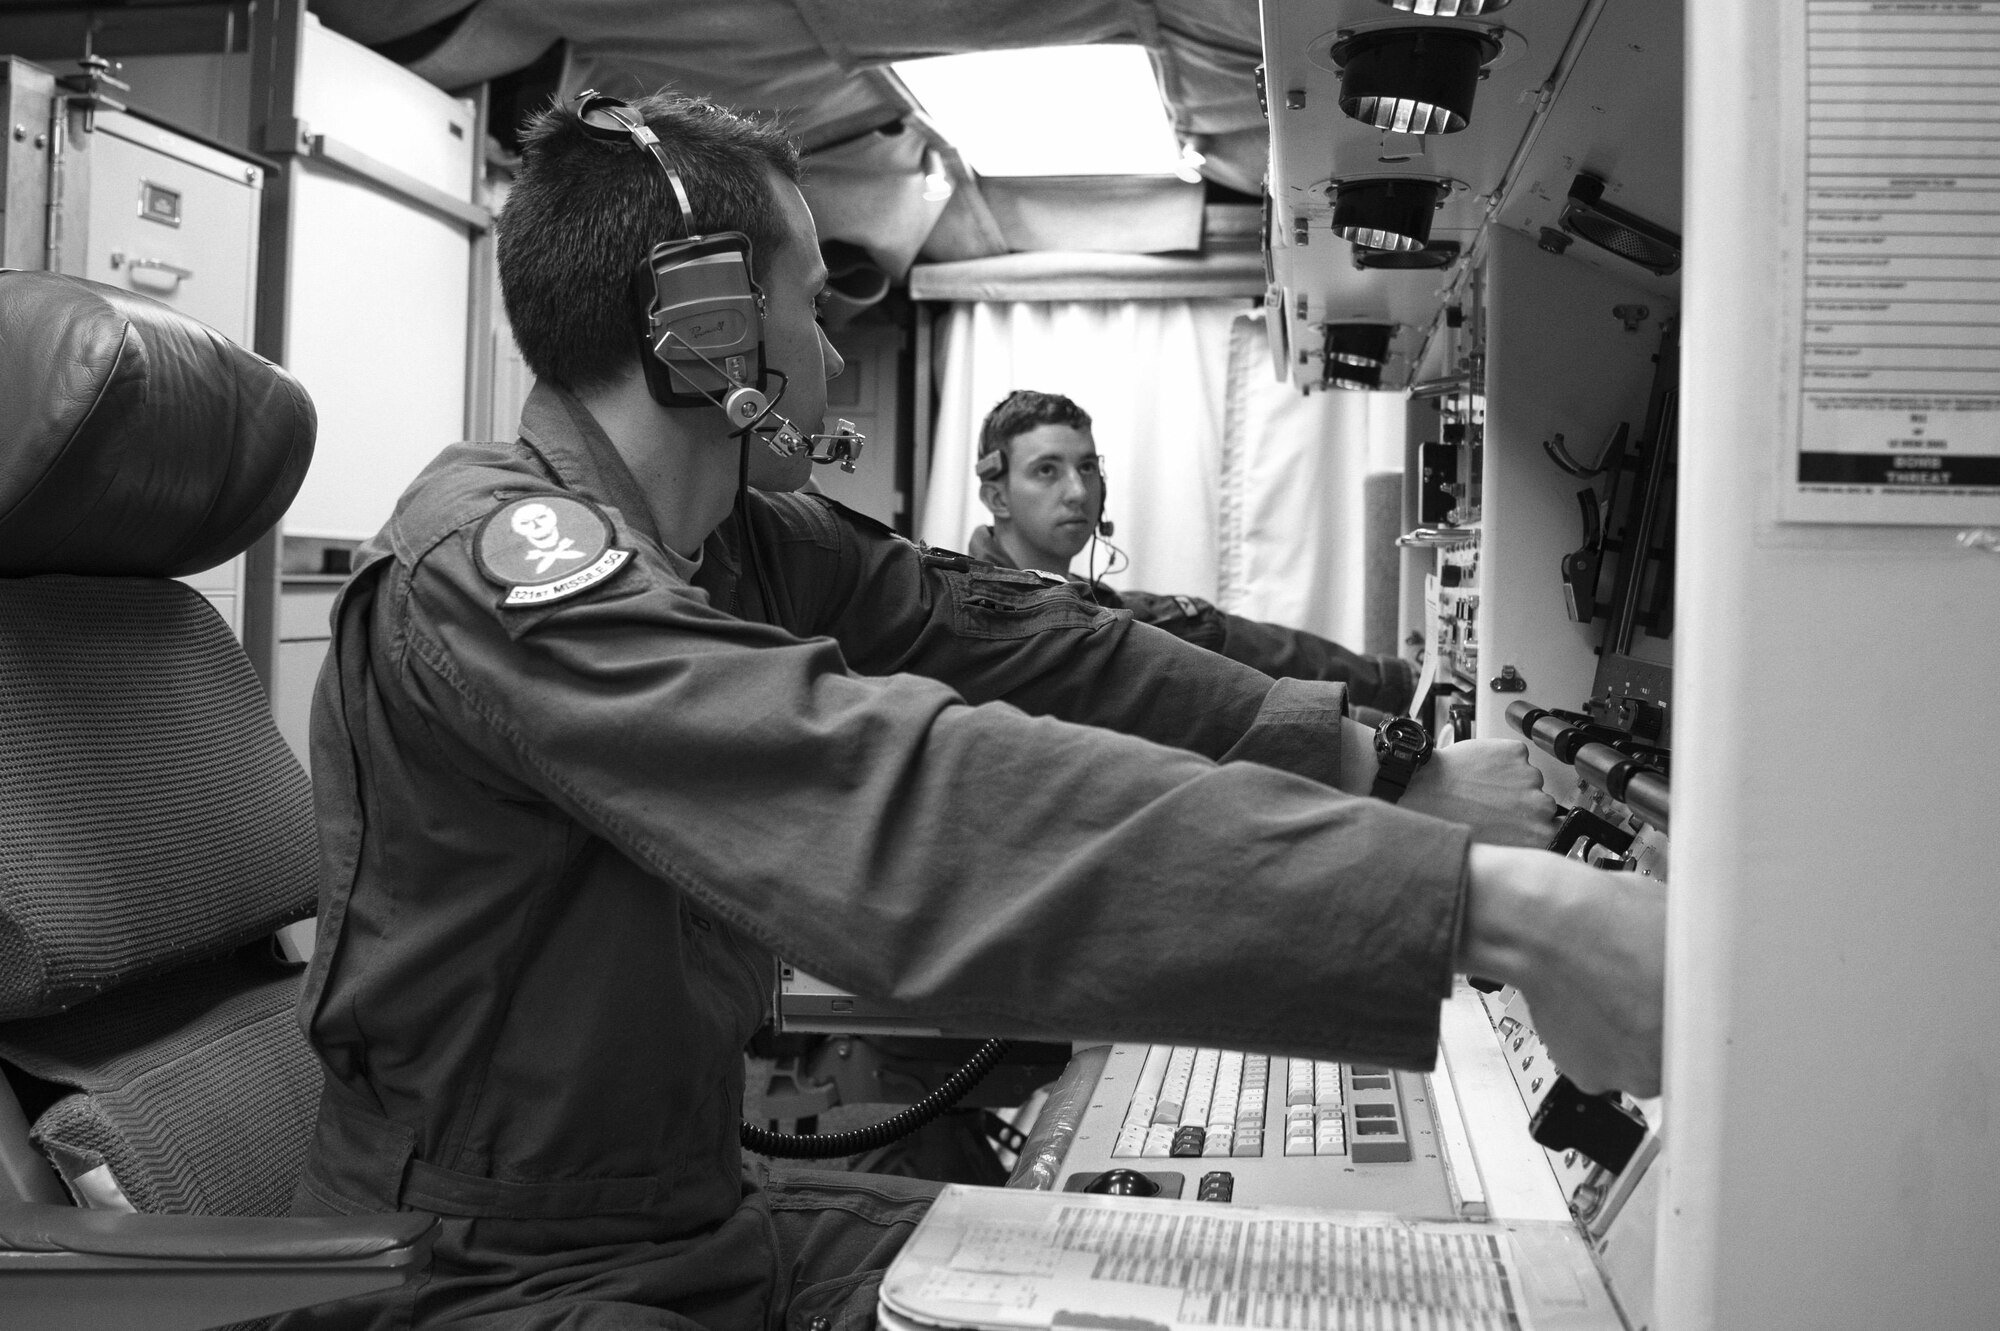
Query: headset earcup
{"type": "Point", "coordinates": [701, 288]}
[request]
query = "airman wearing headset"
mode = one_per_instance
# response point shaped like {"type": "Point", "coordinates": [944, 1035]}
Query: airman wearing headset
{"type": "Point", "coordinates": [1042, 479]}
{"type": "Point", "coordinates": [603, 730]}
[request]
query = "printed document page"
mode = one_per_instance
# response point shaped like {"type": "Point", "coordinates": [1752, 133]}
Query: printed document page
{"type": "Point", "coordinates": [996, 1258]}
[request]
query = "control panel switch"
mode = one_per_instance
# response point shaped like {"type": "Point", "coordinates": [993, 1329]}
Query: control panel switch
{"type": "Point", "coordinates": [1598, 1126]}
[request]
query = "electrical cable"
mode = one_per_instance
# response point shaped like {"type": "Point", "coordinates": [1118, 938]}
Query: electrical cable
{"type": "Point", "coordinates": [822, 1146]}
{"type": "Point", "coordinates": [741, 508]}
{"type": "Point", "coordinates": [1118, 561]}
{"type": "Point", "coordinates": [1100, 530]}
{"type": "Point", "coordinates": [750, 559]}
{"type": "Point", "coordinates": [827, 1146]}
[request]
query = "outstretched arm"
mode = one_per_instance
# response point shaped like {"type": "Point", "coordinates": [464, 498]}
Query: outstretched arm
{"type": "Point", "coordinates": [993, 634]}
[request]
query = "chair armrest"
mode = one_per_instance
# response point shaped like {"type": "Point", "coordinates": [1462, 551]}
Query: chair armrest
{"type": "Point", "coordinates": [61, 1267]}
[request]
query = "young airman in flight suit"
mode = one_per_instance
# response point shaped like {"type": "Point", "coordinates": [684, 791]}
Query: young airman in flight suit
{"type": "Point", "coordinates": [589, 751]}
{"type": "Point", "coordinates": [1043, 482]}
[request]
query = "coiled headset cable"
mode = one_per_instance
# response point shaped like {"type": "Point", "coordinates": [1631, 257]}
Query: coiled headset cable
{"type": "Point", "coordinates": [826, 1146]}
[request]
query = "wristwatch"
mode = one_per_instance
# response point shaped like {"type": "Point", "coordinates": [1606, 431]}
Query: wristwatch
{"type": "Point", "coordinates": [1402, 745]}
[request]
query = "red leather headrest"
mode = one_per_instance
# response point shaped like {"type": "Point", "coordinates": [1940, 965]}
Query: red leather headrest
{"type": "Point", "coordinates": [133, 439]}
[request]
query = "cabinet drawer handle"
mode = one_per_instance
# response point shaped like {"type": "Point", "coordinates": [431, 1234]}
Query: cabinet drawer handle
{"type": "Point", "coordinates": [152, 274]}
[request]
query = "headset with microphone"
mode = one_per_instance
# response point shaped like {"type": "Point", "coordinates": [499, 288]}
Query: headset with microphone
{"type": "Point", "coordinates": [704, 313]}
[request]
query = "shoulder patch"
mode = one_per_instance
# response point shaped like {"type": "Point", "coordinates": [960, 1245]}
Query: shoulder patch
{"type": "Point", "coordinates": [545, 547]}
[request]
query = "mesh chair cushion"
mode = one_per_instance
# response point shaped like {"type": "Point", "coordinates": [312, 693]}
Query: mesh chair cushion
{"type": "Point", "coordinates": [196, 1089]}
{"type": "Point", "coordinates": [150, 814]}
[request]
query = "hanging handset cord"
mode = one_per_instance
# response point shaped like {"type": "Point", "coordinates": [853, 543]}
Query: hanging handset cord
{"type": "Point", "coordinates": [825, 1146]}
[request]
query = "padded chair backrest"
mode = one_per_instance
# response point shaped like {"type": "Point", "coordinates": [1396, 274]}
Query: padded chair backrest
{"type": "Point", "coordinates": [152, 821]}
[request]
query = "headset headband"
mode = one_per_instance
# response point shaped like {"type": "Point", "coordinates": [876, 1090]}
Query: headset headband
{"type": "Point", "coordinates": [627, 125]}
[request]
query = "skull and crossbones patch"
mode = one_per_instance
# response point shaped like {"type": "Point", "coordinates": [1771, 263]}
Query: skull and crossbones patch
{"type": "Point", "coordinates": [545, 547]}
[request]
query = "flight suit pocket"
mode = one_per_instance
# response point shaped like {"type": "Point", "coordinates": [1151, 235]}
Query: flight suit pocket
{"type": "Point", "coordinates": [1008, 603]}
{"type": "Point", "coordinates": [844, 1304]}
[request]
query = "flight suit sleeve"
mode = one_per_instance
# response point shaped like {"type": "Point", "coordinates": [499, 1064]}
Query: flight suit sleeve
{"type": "Point", "coordinates": [995, 634]}
{"type": "Point", "coordinates": [1005, 872]}
{"type": "Point", "coordinates": [1382, 682]}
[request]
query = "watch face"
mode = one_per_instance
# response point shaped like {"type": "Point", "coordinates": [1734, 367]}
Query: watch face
{"type": "Point", "coordinates": [1404, 736]}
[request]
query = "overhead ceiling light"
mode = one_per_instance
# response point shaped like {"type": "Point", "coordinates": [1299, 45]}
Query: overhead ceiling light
{"type": "Point", "coordinates": [1386, 214]}
{"type": "Point", "coordinates": [1049, 111]}
{"type": "Point", "coordinates": [1364, 345]}
{"type": "Point", "coordinates": [1412, 80]}
{"type": "Point", "coordinates": [1435, 254]}
{"type": "Point", "coordinates": [1626, 235]}
{"type": "Point", "coordinates": [1447, 8]}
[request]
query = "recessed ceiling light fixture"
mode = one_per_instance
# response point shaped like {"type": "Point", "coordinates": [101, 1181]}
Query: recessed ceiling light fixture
{"type": "Point", "coordinates": [1446, 8]}
{"type": "Point", "coordinates": [1392, 213]}
{"type": "Point", "coordinates": [1436, 254]}
{"type": "Point", "coordinates": [1412, 80]}
{"type": "Point", "coordinates": [1365, 345]}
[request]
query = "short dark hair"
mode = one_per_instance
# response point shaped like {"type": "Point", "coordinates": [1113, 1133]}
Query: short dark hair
{"type": "Point", "coordinates": [1023, 410]}
{"type": "Point", "coordinates": [584, 213]}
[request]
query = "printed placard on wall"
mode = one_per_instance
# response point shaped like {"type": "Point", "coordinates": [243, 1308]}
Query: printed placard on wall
{"type": "Point", "coordinates": [1899, 354]}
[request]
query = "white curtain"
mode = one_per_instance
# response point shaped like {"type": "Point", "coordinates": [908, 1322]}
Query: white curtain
{"type": "Point", "coordinates": [1292, 511]}
{"type": "Point", "coordinates": [1224, 482]}
{"type": "Point", "coordinates": [1153, 376]}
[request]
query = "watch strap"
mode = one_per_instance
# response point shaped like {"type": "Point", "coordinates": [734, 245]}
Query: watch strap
{"type": "Point", "coordinates": [1392, 777]}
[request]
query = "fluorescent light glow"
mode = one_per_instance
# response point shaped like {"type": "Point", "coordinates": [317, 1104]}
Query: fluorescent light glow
{"type": "Point", "coordinates": [1049, 111]}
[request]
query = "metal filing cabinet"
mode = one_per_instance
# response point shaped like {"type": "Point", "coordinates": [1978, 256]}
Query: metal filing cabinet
{"type": "Point", "coordinates": [161, 214]}
{"type": "Point", "coordinates": [173, 219]}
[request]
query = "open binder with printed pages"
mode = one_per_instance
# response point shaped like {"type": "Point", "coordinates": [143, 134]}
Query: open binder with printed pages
{"type": "Point", "coordinates": [1002, 1259]}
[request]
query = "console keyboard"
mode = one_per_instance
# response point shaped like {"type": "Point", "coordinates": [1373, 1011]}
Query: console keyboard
{"type": "Point", "coordinates": [1190, 1102]}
